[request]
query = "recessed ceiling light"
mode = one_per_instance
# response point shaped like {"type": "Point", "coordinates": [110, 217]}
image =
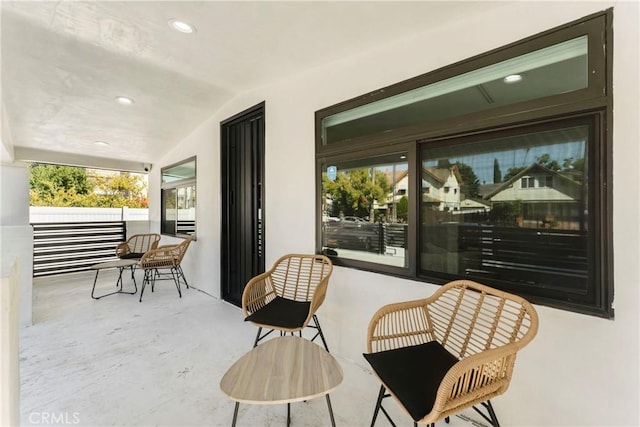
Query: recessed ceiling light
{"type": "Point", "coordinates": [124, 100]}
{"type": "Point", "coordinates": [403, 157]}
{"type": "Point", "coordinates": [101, 143]}
{"type": "Point", "coordinates": [513, 78]}
{"type": "Point", "coordinates": [182, 26]}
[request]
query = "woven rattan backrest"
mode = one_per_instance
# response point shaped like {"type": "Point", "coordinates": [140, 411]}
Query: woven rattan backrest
{"type": "Point", "coordinates": [182, 249]}
{"type": "Point", "coordinates": [297, 277]}
{"type": "Point", "coordinates": [468, 318]}
{"type": "Point", "coordinates": [141, 243]}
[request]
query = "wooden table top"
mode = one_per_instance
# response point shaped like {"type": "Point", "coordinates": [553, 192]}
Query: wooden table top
{"type": "Point", "coordinates": [282, 370]}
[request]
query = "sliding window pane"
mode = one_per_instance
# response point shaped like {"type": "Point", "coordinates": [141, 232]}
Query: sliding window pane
{"type": "Point", "coordinates": [365, 209]}
{"type": "Point", "coordinates": [512, 209]}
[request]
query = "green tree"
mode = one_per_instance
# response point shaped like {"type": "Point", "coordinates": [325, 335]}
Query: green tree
{"type": "Point", "coordinates": [506, 213]}
{"type": "Point", "coordinates": [402, 209]}
{"type": "Point", "coordinates": [570, 164]}
{"type": "Point", "coordinates": [470, 184]}
{"type": "Point", "coordinates": [48, 181]}
{"type": "Point", "coordinates": [120, 190]}
{"type": "Point", "coordinates": [66, 186]}
{"type": "Point", "coordinates": [54, 185]}
{"type": "Point", "coordinates": [511, 172]}
{"type": "Point", "coordinates": [354, 192]}
{"type": "Point", "coordinates": [444, 164]}
{"type": "Point", "coordinates": [542, 160]}
{"type": "Point", "coordinates": [497, 173]}
{"type": "Point", "coordinates": [546, 161]}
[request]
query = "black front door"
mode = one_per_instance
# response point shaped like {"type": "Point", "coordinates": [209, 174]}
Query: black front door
{"type": "Point", "coordinates": [242, 161]}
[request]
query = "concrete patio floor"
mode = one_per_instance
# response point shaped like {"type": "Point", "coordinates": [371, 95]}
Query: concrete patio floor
{"type": "Point", "coordinates": [116, 361]}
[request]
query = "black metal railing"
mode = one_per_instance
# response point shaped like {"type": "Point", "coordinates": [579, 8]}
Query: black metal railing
{"type": "Point", "coordinates": [60, 248]}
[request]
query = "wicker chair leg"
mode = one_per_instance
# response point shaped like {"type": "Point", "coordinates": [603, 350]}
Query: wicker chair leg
{"type": "Point", "coordinates": [146, 279]}
{"type": "Point", "coordinates": [255, 344]}
{"type": "Point", "coordinates": [378, 405]}
{"type": "Point", "coordinates": [492, 413]}
{"type": "Point", "coordinates": [492, 418]}
{"type": "Point", "coordinates": [381, 395]}
{"type": "Point", "coordinates": [176, 279]}
{"type": "Point", "coordinates": [181, 274]}
{"type": "Point", "coordinates": [315, 319]}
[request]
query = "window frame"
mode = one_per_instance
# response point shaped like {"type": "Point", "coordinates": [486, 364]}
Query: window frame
{"type": "Point", "coordinates": [595, 101]}
{"type": "Point", "coordinates": [176, 185]}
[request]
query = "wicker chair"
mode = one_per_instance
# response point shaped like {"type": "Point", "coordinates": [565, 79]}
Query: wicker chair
{"type": "Point", "coordinates": [137, 245]}
{"type": "Point", "coordinates": [454, 350]}
{"type": "Point", "coordinates": [156, 262]}
{"type": "Point", "coordinates": [287, 296]}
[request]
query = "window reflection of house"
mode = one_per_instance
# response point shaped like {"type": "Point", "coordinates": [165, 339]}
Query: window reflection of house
{"type": "Point", "coordinates": [468, 206]}
{"type": "Point", "coordinates": [400, 184]}
{"type": "Point", "coordinates": [547, 198]}
{"type": "Point", "coordinates": [441, 188]}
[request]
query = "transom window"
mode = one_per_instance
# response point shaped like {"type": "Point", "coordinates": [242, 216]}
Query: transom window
{"type": "Point", "coordinates": [495, 169]}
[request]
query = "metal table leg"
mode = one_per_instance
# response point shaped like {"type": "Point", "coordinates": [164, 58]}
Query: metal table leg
{"type": "Point", "coordinates": [333, 421]}
{"type": "Point", "coordinates": [235, 415]}
{"type": "Point", "coordinates": [119, 284]}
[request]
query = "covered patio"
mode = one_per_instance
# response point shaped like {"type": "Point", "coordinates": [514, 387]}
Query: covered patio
{"type": "Point", "coordinates": [116, 361]}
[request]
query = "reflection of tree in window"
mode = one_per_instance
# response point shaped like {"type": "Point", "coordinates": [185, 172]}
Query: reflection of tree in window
{"type": "Point", "coordinates": [354, 192]}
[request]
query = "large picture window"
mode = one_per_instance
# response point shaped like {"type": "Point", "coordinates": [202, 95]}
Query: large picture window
{"type": "Point", "coordinates": [495, 169]}
{"type": "Point", "coordinates": [178, 216]}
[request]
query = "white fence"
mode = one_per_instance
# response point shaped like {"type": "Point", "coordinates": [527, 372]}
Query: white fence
{"type": "Point", "coordinates": [39, 214]}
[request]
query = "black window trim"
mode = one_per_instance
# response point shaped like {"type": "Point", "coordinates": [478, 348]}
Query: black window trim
{"type": "Point", "coordinates": [595, 101]}
{"type": "Point", "coordinates": [590, 25]}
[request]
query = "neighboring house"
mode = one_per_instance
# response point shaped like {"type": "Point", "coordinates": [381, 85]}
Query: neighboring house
{"type": "Point", "coordinates": [399, 181]}
{"type": "Point", "coordinates": [441, 188]}
{"type": "Point", "coordinates": [546, 197]}
{"type": "Point", "coordinates": [468, 206]}
{"type": "Point", "coordinates": [401, 185]}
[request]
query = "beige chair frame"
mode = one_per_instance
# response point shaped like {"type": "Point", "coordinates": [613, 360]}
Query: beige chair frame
{"type": "Point", "coordinates": [166, 257]}
{"type": "Point", "coordinates": [297, 277]}
{"type": "Point", "coordinates": [138, 244]}
{"type": "Point", "coordinates": [483, 327]}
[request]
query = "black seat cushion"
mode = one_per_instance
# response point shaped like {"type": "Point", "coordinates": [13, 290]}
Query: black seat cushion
{"type": "Point", "coordinates": [282, 312]}
{"type": "Point", "coordinates": [133, 255]}
{"type": "Point", "coordinates": [413, 374]}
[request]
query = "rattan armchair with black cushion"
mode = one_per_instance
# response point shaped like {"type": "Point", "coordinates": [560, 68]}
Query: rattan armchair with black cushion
{"type": "Point", "coordinates": [137, 245]}
{"type": "Point", "coordinates": [454, 350]}
{"type": "Point", "coordinates": [164, 262]}
{"type": "Point", "coordinates": [286, 297]}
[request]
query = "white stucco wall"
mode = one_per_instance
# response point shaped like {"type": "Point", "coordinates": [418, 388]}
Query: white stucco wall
{"type": "Point", "coordinates": [16, 235]}
{"type": "Point", "coordinates": [580, 370]}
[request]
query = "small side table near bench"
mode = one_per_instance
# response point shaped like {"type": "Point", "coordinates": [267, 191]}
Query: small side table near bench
{"type": "Point", "coordinates": [120, 264]}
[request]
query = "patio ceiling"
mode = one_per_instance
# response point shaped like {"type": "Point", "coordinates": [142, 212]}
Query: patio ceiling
{"type": "Point", "coordinates": [65, 62]}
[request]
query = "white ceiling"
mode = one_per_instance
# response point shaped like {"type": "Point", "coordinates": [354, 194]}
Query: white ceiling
{"type": "Point", "coordinates": [65, 62]}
